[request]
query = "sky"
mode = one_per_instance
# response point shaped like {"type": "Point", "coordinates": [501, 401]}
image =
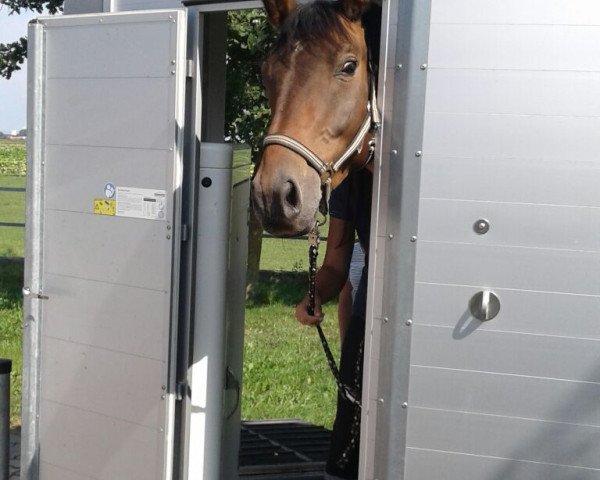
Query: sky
{"type": "Point", "coordinates": [13, 92]}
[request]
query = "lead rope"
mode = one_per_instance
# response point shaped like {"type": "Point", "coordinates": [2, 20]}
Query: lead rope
{"type": "Point", "coordinates": [345, 391]}
{"type": "Point", "coordinates": [313, 252]}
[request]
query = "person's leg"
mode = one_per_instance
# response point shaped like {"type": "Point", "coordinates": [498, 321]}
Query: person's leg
{"type": "Point", "coordinates": [344, 310]}
{"type": "Point", "coordinates": [345, 438]}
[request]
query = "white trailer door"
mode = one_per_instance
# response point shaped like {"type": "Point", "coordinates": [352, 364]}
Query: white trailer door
{"type": "Point", "coordinates": [106, 120]}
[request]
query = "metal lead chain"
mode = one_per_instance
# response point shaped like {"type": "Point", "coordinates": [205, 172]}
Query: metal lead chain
{"type": "Point", "coordinates": [313, 252]}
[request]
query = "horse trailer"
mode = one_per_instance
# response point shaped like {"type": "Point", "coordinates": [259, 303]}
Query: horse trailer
{"type": "Point", "coordinates": [482, 347]}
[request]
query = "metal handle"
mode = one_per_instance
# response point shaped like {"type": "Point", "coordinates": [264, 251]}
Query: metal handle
{"type": "Point", "coordinates": [27, 293]}
{"type": "Point", "coordinates": [484, 305]}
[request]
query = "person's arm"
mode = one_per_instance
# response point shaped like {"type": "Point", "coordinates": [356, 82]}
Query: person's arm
{"type": "Point", "coordinates": [333, 274]}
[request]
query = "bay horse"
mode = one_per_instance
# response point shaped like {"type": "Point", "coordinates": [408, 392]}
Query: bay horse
{"type": "Point", "coordinates": [319, 81]}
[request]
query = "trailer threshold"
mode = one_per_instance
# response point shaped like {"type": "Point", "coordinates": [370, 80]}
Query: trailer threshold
{"type": "Point", "coordinates": [283, 450]}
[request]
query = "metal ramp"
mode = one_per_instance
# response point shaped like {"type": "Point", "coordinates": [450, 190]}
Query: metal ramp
{"type": "Point", "coordinates": [283, 450]}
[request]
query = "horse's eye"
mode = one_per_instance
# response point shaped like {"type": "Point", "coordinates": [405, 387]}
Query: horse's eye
{"type": "Point", "coordinates": [350, 67]}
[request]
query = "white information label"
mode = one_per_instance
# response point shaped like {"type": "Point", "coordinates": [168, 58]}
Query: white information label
{"type": "Point", "coordinates": [141, 203]}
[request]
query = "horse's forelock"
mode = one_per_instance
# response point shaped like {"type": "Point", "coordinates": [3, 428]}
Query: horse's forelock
{"type": "Point", "coordinates": [309, 25]}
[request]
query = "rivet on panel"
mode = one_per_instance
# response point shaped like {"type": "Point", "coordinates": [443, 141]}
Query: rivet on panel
{"type": "Point", "coordinates": [385, 319]}
{"type": "Point", "coordinates": [399, 66]}
{"type": "Point", "coordinates": [168, 227]}
{"type": "Point", "coordinates": [408, 323]}
{"type": "Point", "coordinates": [168, 237]}
{"type": "Point", "coordinates": [172, 72]}
{"type": "Point", "coordinates": [390, 236]}
{"type": "Point", "coordinates": [413, 239]}
{"type": "Point", "coordinates": [418, 153]}
{"type": "Point", "coordinates": [394, 152]}
{"type": "Point", "coordinates": [380, 400]}
{"type": "Point", "coordinates": [423, 66]}
{"type": "Point", "coordinates": [162, 397]}
{"type": "Point", "coordinates": [405, 405]}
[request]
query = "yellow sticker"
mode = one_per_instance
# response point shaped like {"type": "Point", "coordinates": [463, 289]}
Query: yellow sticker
{"type": "Point", "coordinates": [105, 207]}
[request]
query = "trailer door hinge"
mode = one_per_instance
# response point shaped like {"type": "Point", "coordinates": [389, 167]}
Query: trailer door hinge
{"type": "Point", "coordinates": [184, 233]}
{"type": "Point", "coordinates": [189, 69]}
{"type": "Point", "coordinates": [181, 390]}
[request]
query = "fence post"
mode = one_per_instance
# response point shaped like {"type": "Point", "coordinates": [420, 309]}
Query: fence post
{"type": "Point", "coordinates": [5, 369]}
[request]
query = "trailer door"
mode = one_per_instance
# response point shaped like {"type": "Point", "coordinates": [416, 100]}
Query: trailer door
{"type": "Point", "coordinates": [106, 116]}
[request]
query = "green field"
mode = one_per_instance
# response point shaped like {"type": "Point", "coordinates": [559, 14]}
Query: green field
{"type": "Point", "coordinates": [11, 281]}
{"type": "Point", "coordinates": [12, 210]}
{"type": "Point", "coordinates": [285, 372]}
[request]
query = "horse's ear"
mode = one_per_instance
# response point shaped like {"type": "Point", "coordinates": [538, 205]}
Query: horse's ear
{"type": "Point", "coordinates": [353, 9]}
{"type": "Point", "coordinates": [279, 10]}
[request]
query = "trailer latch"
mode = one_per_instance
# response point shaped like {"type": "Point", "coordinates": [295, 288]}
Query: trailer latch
{"type": "Point", "coordinates": [27, 293]}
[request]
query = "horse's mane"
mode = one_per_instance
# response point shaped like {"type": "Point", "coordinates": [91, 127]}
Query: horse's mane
{"type": "Point", "coordinates": [321, 21]}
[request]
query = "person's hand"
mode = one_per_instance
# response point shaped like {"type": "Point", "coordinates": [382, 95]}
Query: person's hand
{"type": "Point", "coordinates": [306, 318]}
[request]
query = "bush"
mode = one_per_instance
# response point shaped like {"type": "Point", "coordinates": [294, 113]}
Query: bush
{"type": "Point", "coordinates": [13, 159]}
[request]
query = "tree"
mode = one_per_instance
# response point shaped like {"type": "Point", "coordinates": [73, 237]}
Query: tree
{"type": "Point", "coordinates": [13, 54]}
{"type": "Point", "coordinates": [247, 113]}
{"type": "Point", "coordinates": [249, 35]}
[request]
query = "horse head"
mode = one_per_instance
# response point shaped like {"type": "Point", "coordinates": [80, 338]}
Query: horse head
{"type": "Point", "coordinates": [317, 80]}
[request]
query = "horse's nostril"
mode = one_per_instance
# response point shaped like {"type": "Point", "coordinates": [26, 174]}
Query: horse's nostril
{"type": "Point", "coordinates": [292, 196]}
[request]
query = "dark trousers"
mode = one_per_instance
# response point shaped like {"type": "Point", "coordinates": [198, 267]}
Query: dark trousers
{"type": "Point", "coordinates": [345, 438]}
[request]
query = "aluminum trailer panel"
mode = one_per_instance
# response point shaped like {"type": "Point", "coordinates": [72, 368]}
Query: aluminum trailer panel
{"type": "Point", "coordinates": [103, 235]}
{"type": "Point", "coordinates": [509, 136]}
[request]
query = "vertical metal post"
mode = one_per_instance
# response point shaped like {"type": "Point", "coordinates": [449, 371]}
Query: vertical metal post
{"type": "Point", "coordinates": [32, 308]}
{"type": "Point", "coordinates": [5, 369]}
{"type": "Point", "coordinates": [207, 372]}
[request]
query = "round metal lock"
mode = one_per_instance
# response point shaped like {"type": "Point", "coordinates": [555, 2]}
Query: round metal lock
{"type": "Point", "coordinates": [481, 226]}
{"type": "Point", "coordinates": [484, 305]}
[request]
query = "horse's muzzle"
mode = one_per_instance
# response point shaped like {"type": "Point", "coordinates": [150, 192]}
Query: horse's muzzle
{"type": "Point", "coordinates": [281, 207]}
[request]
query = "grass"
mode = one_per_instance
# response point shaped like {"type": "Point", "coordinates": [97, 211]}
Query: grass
{"type": "Point", "coordinates": [12, 210]}
{"type": "Point", "coordinates": [284, 255]}
{"type": "Point", "coordinates": [11, 281]}
{"type": "Point", "coordinates": [12, 157]}
{"type": "Point", "coordinates": [285, 372]}
{"type": "Point", "coordinates": [290, 255]}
